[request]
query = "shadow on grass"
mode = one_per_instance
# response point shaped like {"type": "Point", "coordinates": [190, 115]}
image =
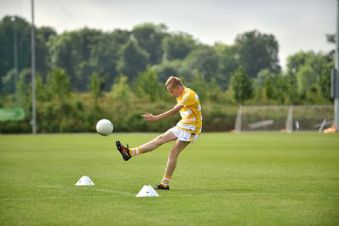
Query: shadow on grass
{"type": "Point", "coordinates": [211, 190]}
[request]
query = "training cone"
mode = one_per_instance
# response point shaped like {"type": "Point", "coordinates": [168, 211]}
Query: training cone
{"type": "Point", "coordinates": [84, 181]}
{"type": "Point", "coordinates": [147, 191]}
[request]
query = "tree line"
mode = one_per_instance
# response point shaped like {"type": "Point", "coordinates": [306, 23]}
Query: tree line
{"type": "Point", "coordinates": [107, 72]}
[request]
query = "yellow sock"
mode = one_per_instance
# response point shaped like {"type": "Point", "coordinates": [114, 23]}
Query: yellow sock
{"type": "Point", "coordinates": [165, 181]}
{"type": "Point", "coordinates": [134, 151]}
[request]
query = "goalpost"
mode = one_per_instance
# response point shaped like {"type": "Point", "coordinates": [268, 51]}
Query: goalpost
{"type": "Point", "coordinates": [284, 118]}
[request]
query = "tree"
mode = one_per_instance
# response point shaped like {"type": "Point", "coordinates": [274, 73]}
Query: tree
{"type": "Point", "coordinates": [43, 34]}
{"type": "Point", "coordinates": [266, 80]}
{"type": "Point", "coordinates": [178, 46]}
{"type": "Point", "coordinates": [199, 85]}
{"type": "Point", "coordinates": [72, 51]}
{"type": "Point", "coordinates": [168, 68]}
{"type": "Point", "coordinates": [325, 79]}
{"type": "Point", "coordinates": [9, 28]}
{"type": "Point", "coordinates": [105, 55]}
{"type": "Point", "coordinates": [147, 84]}
{"type": "Point", "coordinates": [133, 60]}
{"type": "Point", "coordinates": [228, 63]}
{"type": "Point", "coordinates": [313, 95]}
{"type": "Point", "coordinates": [241, 85]}
{"type": "Point", "coordinates": [305, 78]}
{"type": "Point", "coordinates": [203, 60]}
{"type": "Point", "coordinates": [292, 89]}
{"type": "Point", "coordinates": [120, 89]}
{"type": "Point", "coordinates": [310, 70]}
{"type": "Point", "coordinates": [24, 89]}
{"type": "Point", "coordinates": [257, 51]}
{"type": "Point", "coordinates": [42, 91]}
{"type": "Point", "coordinates": [270, 87]}
{"type": "Point", "coordinates": [149, 37]}
{"type": "Point", "coordinates": [281, 88]}
{"type": "Point", "coordinates": [95, 86]}
{"type": "Point", "coordinates": [8, 82]}
{"type": "Point", "coordinates": [59, 84]}
{"type": "Point", "coordinates": [16, 31]}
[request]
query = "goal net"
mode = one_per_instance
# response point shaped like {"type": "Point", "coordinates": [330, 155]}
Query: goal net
{"type": "Point", "coordinates": [284, 118]}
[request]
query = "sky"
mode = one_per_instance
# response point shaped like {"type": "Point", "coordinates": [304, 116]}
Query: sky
{"type": "Point", "coordinates": [296, 24]}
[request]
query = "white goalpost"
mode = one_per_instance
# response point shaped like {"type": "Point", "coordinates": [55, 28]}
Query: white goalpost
{"type": "Point", "coordinates": [284, 118]}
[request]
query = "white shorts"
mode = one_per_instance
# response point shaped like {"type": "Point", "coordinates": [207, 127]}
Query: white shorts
{"type": "Point", "coordinates": [183, 135]}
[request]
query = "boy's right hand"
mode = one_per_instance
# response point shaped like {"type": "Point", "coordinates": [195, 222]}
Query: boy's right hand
{"type": "Point", "coordinates": [149, 117]}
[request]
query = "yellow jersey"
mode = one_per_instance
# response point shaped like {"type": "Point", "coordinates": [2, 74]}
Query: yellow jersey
{"type": "Point", "coordinates": [191, 116]}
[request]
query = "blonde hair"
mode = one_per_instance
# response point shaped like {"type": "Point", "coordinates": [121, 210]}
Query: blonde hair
{"type": "Point", "coordinates": [173, 82]}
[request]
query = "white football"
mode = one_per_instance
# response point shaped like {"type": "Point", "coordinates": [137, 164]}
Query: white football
{"type": "Point", "coordinates": [104, 127]}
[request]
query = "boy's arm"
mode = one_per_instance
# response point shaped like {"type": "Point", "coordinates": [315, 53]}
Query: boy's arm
{"type": "Point", "coordinates": [150, 117]}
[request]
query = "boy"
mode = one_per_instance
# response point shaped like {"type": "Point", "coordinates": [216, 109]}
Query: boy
{"type": "Point", "coordinates": [186, 130]}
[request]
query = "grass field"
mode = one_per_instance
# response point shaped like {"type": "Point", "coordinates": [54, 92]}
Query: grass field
{"type": "Point", "coordinates": [222, 179]}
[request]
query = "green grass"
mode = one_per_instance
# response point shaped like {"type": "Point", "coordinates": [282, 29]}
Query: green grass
{"type": "Point", "coordinates": [222, 179]}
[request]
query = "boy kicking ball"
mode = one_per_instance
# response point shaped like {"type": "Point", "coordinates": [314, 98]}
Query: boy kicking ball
{"type": "Point", "coordinates": [185, 132]}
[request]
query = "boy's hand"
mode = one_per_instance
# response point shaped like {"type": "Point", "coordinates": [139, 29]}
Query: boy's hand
{"type": "Point", "coordinates": [149, 117]}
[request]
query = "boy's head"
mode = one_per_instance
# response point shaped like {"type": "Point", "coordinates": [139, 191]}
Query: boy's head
{"type": "Point", "coordinates": [174, 86]}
